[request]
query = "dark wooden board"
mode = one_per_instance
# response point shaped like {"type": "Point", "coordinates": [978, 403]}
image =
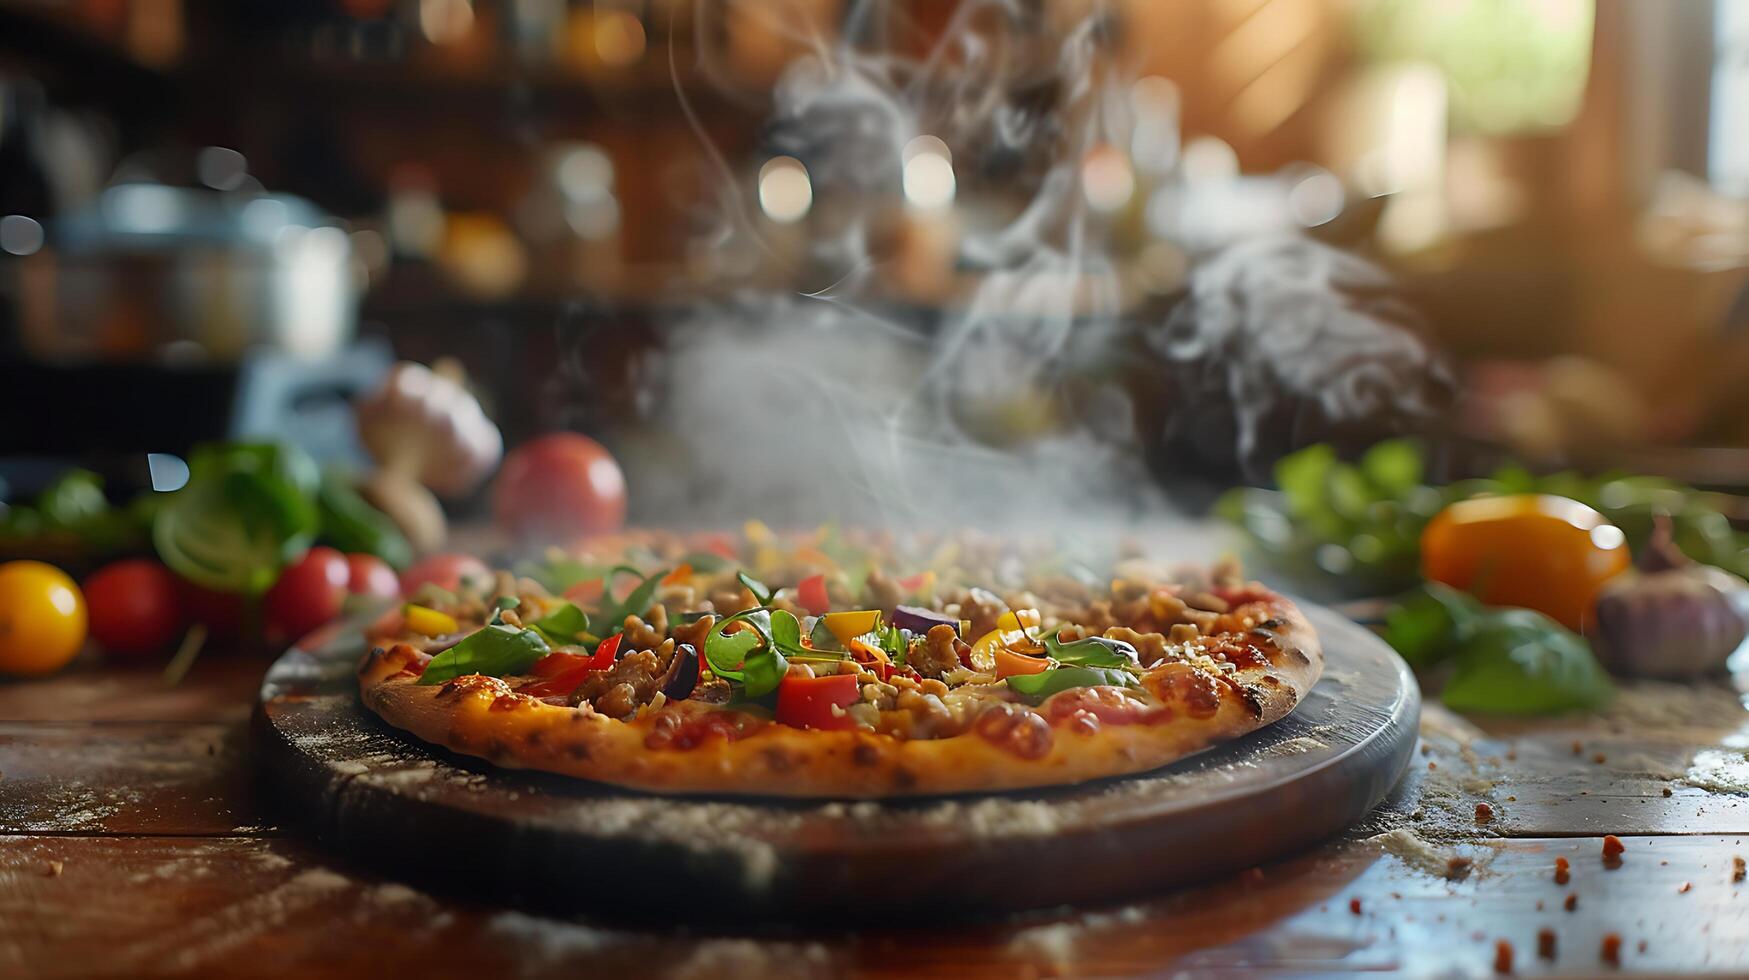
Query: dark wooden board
{"type": "Point", "coordinates": [451, 822]}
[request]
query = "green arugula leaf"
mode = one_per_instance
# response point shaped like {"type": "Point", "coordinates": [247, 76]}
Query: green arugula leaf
{"type": "Point", "coordinates": [1037, 687]}
{"type": "Point", "coordinates": [705, 561]}
{"type": "Point", "coordinates": [786, 630]}
{"type": "Point", "coordinates": [895, 643]}
{"type": "Point", "coordinates": [561, 574]}
{"type": "Point", "coordinates": [1521, 662]}
{"type": "Point", "coordinates": [637, 603]}
{"type": "Point", "coordinates": [495, 651]}
{"type": "Point", "coordinates": [760, 592]}
{"type": "Point", "coordinates": [564, 626]}
{"type": "Point", "coordinates": [822, 638]}
{"type": "Point", "coordinates": [727, 653]}
{"type": "Point", "coordinates": [1092, 651]}
{"type": "Point", "coordinates": [763, 671]}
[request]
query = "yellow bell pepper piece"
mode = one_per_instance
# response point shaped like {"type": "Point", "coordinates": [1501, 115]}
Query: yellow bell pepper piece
{"type": "Point", "coordinates": [1019, 619]}
{"type": "Point", "coordinates": [847, 626]}
{"type": "Point", "coordinates": [429, 622]}
{"type": "Point", "coordinates": [984, 652]}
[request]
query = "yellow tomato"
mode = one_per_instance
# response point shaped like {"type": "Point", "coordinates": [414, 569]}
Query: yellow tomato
{"type": "Point", "coordinates": [1535, 551]}
{"type": "Point", "coordinates": [849, 625]}
{"type": "Point", "coordinates": [429, 622]}
{"type": "Point", "coordinates": [42, 618]}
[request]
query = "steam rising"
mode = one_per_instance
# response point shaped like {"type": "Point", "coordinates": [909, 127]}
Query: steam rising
{"type": "Point", "coordinates": [843, 403]}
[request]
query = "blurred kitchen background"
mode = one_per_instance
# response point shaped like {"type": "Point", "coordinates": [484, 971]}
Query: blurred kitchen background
{"type": "Point", "coordinates": [225, 218]}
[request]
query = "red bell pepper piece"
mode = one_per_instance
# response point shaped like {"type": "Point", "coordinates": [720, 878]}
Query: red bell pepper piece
{"type": "Point", "coordinates": [605, 653]}
{"type": "Point", "coordinates": [811, 593]}
{"type": "Point", "coordinates": [561, 672]}
{"type": "Point", "coordinates": [807, 702]}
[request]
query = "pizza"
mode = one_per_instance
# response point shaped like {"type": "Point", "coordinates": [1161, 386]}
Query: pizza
{"type": "Point", "coordinates": [836, 665]}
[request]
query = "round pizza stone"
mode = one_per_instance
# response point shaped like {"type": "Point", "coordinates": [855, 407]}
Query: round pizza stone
{"type": "Point", "coordinates": [468, 828]}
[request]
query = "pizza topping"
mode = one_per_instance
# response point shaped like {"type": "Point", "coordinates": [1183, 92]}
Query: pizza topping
{"type": "Point", "coordinates": [939, 653]}
{"type": "Point", "coordinates": [428, 622]}
{"type": "Point", "coordinates": [1108, 704]}
{"type": "Point", "coordinates": [683, 673]}
{"type": "Point", "coordinates": [1196, 689]}
{"type": "Point", "coordinates": [1037, 687]}
{"type": "Point", "coordinates": [629, 684]}
{"type": "Point", "coordinates": [817, 702]}
{"type": "Point", "coordinates": [496, 650]}
{"type": "Point", "coordinates": [1015, 729]}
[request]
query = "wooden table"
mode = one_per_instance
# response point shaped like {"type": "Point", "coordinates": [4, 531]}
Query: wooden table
{"type": "Point", "coordinates": [131, 841]}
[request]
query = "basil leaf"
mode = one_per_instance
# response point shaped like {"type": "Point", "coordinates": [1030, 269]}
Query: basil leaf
{"type": "Point", "coordinates": [1521, 662]}
{"type": "Point", "coordinates": [1037, 687]}
{"type": "Point", "coordinates": [756, 587]}
{"type": "Point", "coordinates": [1092, 651]}
{"type": "Point", "coordinates": [563, 626]}
{"type": "Point", "coordinates": [1432, 623]}
{"type": "Point", "coordinates": [494, 651]}
{"type": "Point", "coordinates": [1393, 467]}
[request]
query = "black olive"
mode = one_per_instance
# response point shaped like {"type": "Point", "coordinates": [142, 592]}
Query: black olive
{"type": "Point", "coordinates": [685, 676]}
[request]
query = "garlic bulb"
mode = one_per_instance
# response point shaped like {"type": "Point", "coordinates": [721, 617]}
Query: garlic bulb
{"type": "Point", "coordinates": [1681, 620]}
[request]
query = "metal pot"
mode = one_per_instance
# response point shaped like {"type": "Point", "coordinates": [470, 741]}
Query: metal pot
{"type": "Point", "coordinates": [154, 272]}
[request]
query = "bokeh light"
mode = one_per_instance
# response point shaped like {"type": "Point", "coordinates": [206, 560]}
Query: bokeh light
{"type": "Point", "coordinates": [928, 178]}
{"type": "Point", "coordinates": [785, 193]}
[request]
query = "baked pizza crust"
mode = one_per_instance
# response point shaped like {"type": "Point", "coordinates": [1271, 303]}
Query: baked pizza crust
{"type": "Point", "coordinates": [1193, 709]}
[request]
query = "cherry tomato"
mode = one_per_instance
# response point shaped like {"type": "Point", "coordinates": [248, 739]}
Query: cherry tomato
{"type": "Point", "coordinates": [42, 618]}
{"type": "Point", "coordinates": [1535, 551]}
{"type": "Point", "coordinates": [309, 593]}
{"type": "Point", "coordinates": [559, 487]}
{"type": "Point", "coordinates": [220, 612]}
{"type": "Point", "coordinates": [807, 702]}
{"type": "Point", "coordinates": [447, 572]}
{"type": "Point", "coordinates": [370, 575]}
{"type": "Point", "coordinates": [135, 606]}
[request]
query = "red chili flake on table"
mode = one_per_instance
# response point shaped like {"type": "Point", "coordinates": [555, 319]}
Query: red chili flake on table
{"type": "Point", "coordinates": [1572, 901]}
{"type": "Point", "coordinates": [1561, 871]}
{"type": "Point", "coordinates": [1545, 943]}
{"type": "Point", "coordinates": [1683, 888]}
{"type": "Point", "coordinates": [1599, 758]}
{"type": "Point", "coordinates": [1612, 846]}
{"type": "Point", "coordinates": [1457, 867]}
{"type": "Point", "coordinates": [1502, 956]}
{"type": "Point", "coordinates": [1484, 813]}
{"type": "Point", "coordinates": [1577, 747]}
{"type": "Point", "coordinates": [1737, 869]}
{"type": "Point", "coordinates": [1612, 948]}
{"type": "Point", "coordinates": [1354, 905]}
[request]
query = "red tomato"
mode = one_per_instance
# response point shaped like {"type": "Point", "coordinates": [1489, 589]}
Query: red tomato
{"type": "Point", "coordinates": [807, 702]}
{"type": "Point", "coordinates": [309, 593]}
{"type": "Point", "coordinates": [447, 572]}
{"type": "Point", "coordinates": [558, 488]}
{"type": "Point", "coordinates": [134, 606]}
{"type": "Point", "coordinates": [220, 612]}
{"type": "Point", "coordinates": [1540, 552]}
{"type": "Point", "coordinates": [370, 575]}
{"type": "Point", "coordinates": [811, 593]}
